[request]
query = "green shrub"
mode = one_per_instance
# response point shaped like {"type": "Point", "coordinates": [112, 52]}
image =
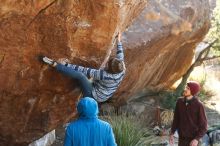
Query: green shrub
{"type": "Point", "coordinates": [205, 94]}
{"type": "Point", "coordinates": [168, 99]}
{"type": "Point", "coordinates": [128, 130]}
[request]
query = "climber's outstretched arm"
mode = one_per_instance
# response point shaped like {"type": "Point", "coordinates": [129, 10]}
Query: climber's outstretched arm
{"type": "Point", "coordinates": [119, 53]}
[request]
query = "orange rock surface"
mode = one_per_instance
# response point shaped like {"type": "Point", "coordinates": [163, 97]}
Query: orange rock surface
{"type": "Point", "coordinates": [159, 41]}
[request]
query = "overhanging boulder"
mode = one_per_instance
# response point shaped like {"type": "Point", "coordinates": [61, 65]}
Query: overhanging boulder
{"type": "Point", "coordinates": [34, 99]}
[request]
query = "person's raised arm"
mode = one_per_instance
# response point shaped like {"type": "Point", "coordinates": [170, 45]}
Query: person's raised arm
{"type": "Point", "coordinates": [119, 53]}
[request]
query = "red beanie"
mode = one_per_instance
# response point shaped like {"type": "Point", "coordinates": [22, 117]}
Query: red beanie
{"type": "Point", "coordinates": [194, 87]}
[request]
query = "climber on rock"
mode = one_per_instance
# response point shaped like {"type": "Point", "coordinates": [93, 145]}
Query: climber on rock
{"type": "Point", "coordinates": [104, 81]}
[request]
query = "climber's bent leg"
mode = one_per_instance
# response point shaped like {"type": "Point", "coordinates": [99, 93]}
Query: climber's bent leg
{"type": "Point", "coordinates": [84, 82]}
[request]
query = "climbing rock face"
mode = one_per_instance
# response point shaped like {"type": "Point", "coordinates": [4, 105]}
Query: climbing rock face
{"type": "Point", "coordinates": [34, 99]}
{"type": "Point", "coordinates": [159, 42]}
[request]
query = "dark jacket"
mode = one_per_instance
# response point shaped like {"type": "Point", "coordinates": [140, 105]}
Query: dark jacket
{"type": "Point", "coordinates": [189, 119]}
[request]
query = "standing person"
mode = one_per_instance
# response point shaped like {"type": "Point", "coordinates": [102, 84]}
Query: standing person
{"type": "Point", "coordinates": [105, 81]}
{"type": "Point", "coordinates": [189, 118]}
{"type": "Point", "coordinates": [88, 130]}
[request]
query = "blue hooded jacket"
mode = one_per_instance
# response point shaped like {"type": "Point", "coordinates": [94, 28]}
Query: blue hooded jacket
{"type": "Point", "coordinates": [88, 130]}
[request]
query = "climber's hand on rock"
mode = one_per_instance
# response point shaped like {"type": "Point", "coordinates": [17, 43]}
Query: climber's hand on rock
{"type": "Point", "coordinates": [119, 37]}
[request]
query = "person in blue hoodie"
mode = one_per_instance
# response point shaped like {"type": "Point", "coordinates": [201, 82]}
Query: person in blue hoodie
{"type": "Point", "coordinates": [88, 129]}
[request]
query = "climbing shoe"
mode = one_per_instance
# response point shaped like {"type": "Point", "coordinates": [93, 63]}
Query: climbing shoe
{"type": "Point", "coordinates": [47, 60]}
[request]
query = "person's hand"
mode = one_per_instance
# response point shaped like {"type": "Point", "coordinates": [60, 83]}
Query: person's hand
{"type": "Point", "coordinates": [119, 37]}
{"type": "Point", "coordinates": [171, 140]}
{"type": "Point", "coordinates": [194, 142]}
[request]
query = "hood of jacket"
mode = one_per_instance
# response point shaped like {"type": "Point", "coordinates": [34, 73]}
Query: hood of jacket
{"type": "Point", "coordinates": [87, 108]}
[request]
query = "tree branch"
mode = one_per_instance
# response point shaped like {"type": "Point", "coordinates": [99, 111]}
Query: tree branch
{"type": "Point", "coordinates": [199, 60]}
{"type": "Point", "coordinates": [205, 49]}
{"type": "Point", "coordinates": [210, 58]}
